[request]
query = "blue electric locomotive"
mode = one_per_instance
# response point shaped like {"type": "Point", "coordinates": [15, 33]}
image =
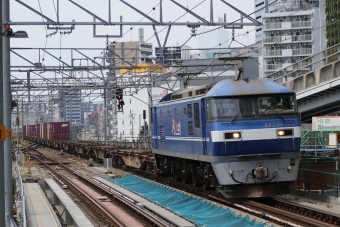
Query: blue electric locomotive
{"type": "Point", "coordinates": [240, 137]}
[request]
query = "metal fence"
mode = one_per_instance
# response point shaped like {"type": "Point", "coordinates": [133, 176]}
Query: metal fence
{"type": "Point", "coordinates": [319, 175]}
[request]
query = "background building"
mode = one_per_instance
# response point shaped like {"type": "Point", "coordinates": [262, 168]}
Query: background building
{"type": "Point", "coordinates": [267, 6]}
{"type": "Point", "coordinates": [291, 34]}
{"type": "Point", "coordinates": [171, 54]}
{"type": "Point", "coordinates": [218, 38]}
{"type": "Point", "coordinates": [134, 52]}
{"type": "Point", "coordinates": [85, 108]}
{"type": "Point", "coordinates": [69, 103]}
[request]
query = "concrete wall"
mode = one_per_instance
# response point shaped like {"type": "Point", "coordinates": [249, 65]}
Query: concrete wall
{"type": "Point", "coordinates": [315, 78]}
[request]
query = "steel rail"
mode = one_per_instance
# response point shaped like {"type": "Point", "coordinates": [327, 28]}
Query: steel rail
{"type": "Point", "coordinates": [109, 192]}
{"type": "Point", "coordinates": [314, 212]}
{"type": "Point", "coordinates": [288, 218]}
{"type": "Point", "coordinates": [283, 215]}
{"type": "Point", "coordinates": [103, 210]}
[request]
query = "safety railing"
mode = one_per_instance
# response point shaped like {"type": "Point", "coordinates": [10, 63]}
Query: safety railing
{"type": "Point", "coordinates": [272, 67]}
{"type": "Point", "coordinates": [272, 26]}
{"type": "Point", "coordinates": [316, 61]}
{"type": "Point", "coordinates": [20, 197]}
{"type": "Point", "coordinates": [273, 52]}
{"type": "Point", "coordinates": [272, 39]}
{"type": "Point", "coordinates": [301, 24]}
{"type": "Point", "coordinates": [301, 38]}
{"type": "Point", "coordinates": [303, 51]}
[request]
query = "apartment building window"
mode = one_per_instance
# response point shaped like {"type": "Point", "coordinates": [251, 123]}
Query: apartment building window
{"type": "Point", "coordinates": [261, 3]}
{"type": "Point", "coordinates": [123, 122]}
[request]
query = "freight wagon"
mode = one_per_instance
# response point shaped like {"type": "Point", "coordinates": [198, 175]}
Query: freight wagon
{"type": "Point", "coordinates": [48, 130]}
{"type": "Point", "coordinates": [31, 130]}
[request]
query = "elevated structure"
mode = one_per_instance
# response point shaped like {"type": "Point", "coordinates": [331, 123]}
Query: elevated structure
{"type": "Point", "coordinates": [39, 211]}
{"type": "Point", "coordinates": [318, 89]}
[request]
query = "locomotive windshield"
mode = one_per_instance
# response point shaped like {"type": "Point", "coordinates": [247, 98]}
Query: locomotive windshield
{"type": "Point", "coordinates": [273, 104]}
{"type": "Point", "coordinates": [228, 108]}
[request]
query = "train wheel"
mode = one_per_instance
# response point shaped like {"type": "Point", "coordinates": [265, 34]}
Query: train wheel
{"type": "Point", "coordinates": [206, 184]}
{"type": "Point", "coordinates": [185, 179]}
{"type": "Point", "coordinates": [194, 178]}
{"type": "Point", "coordinates": [175, 176]}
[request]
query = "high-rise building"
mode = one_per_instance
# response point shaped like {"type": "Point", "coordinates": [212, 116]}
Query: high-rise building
{"type": "Point", "coordinates": [332, 12]}
{"type": "Point", "coordinates": [173, 53]}
{"type": "Point", "coordinates": [291, 33]}
{"type": "Point", "coordinates": [271, 6]}
{"type": "Point", "coordinates": [141, 35]}
{"type": "Point", "coordinates": [134, 52]}
{"type": "Point", "coordinates": [262, 7]}
{"type": "Point", "coordinates": [85, 108]}
{"type": "Point", "coordinates": [69, 103]}
{"type": "Point", "coordinates": [218, 38]}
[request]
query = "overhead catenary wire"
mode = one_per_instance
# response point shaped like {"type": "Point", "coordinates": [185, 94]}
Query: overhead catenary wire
{"type": "Point", "coordinates": [163, 29]}
{"type": "Point", "coordinates": [45, 30]}
{"type": "Point", "coordinates": [247, 32]}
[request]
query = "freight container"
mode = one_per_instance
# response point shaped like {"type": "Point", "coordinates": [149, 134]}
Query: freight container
{"type": "Point", "coordinates": [38, 131]}
{"type": "Point", "coordinates": [58, 131]}
{"type": "Point", "coordinates": [24, 128]}
{"type": "Point", "coordinates": [44, 131]}
{"type": "Point", "coordinates": [31, 130]}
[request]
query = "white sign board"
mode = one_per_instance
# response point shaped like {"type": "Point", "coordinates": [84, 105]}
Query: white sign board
{"type": "Point", "coordinates": [326, 123]}
{"type": "Point", "coordinates": [332, 140]}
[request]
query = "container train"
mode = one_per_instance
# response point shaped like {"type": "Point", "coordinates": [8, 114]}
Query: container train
{"type": "Point", "coordinates": [48, 130]}
{"type": "Point", "coordinates": [240, 137]}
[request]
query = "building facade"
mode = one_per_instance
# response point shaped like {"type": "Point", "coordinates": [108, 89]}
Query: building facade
{"type": "Point", "coordinates": [69, 102]}
{"type": "Point", "coordinates": [291, 34]}
{"type": "Point", "coordinates": [271, 6]}
{"type": "Point", "coordinates": [133, 52]}
{"type": "Point", "coordinates": [171, 54]}
{"type": "Point", "coordinates": [85, 108]}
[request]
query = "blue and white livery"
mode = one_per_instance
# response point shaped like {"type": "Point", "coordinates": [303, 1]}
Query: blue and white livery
{"type": "Point", "coordinates": [241, 137]}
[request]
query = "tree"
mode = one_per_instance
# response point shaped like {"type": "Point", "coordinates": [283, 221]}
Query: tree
{"type": "Point", "coordinates": [144, 128]}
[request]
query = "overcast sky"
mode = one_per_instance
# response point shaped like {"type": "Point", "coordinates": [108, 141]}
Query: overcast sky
{"type": "Point", "coordinates": [82, 36]}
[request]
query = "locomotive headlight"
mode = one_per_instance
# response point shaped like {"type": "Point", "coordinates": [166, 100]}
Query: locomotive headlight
{"type": "Point", "coordinates": [236, 135]}
{"type": "Point", "coordinates": [285, 132]}
{"type": "Point", "coordinates": [232, 135]}
{"type": "Point", "coordinates": [280, 133]}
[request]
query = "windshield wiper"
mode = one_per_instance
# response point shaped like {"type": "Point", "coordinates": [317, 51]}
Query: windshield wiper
{"type": "Point", "coordinates": [234, 118]}
{"type": "Point", "coordinates": [280, 115]}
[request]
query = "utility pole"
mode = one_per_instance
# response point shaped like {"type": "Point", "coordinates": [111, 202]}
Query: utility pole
{"type": "Point", "coordinates": [2, 144]}
{"type": "Point", "coordinates": [105, 112]}
{"type": "Point", "coordinates": [22, 120]}
{"type": "Point", "coordinates": [8, 195]}
{"type": "Point", "coordinates": [132, 118]}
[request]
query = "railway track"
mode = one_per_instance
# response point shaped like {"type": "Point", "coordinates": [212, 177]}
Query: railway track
{"type": "Point", "coordinates": [112, 219]}
{"type": "Point", "coordinates": [275, 210]}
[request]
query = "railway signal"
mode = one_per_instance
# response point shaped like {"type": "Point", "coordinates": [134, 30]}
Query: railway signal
{"type": "Point", "coordinates": [119, 94]}
{"type": "Point", "coordinates": [119, 97]}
